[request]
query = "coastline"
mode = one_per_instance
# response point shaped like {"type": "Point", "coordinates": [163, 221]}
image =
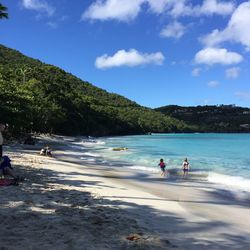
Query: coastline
{"type": "Point", "coordinates": [78, 203]}
{"type": "Point", "coordinates": [219, 165]}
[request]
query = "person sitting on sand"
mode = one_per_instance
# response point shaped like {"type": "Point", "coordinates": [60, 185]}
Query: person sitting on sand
{"type": "Point", "coordinates": [43, 151]}
{"type": "Point", "coordinates": [162, 166]}
{"type": "Point", "coordinates": [46, 151]}
{"type": "Point", "coordinates": [7, 169]}
{"type": "Point", "coordinates": [185, 167]}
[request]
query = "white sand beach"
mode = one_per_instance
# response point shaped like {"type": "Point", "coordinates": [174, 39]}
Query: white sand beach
{"type": "Point", "coordinates": [66, 203]}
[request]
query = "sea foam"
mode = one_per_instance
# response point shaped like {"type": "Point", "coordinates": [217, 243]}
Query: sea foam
{"type": "Point", "coordinates": [233, 183]}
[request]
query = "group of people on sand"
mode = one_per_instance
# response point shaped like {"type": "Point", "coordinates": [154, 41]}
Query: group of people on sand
{"type": "Point", "coordinates": [185, 167]}
{"type": "Point", "coordinates": [46, 151]}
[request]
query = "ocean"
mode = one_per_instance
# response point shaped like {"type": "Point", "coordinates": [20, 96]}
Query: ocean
{"type": "Point", "coordinates": [222, 159]}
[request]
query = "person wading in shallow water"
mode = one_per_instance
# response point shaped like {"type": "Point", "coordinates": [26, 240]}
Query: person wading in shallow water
{"type": "Point", "coordinates": [185, 167]}
{"type": "Point", "coordinates": [162, 166]}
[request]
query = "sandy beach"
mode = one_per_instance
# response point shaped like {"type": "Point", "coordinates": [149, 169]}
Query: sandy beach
{"type": "Point", "coordinates": [66, 203]}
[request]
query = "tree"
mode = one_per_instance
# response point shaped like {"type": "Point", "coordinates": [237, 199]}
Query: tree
{"type": "Point", "coordinates": [39, 97]}
{"type": "Point", "coordinates": [3, 11]}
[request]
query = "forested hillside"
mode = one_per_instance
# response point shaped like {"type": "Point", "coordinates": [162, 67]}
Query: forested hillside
{"type": "Point", "coordinates": [44, 98]}
{"type": "Point", "coordinates": [223, 118]}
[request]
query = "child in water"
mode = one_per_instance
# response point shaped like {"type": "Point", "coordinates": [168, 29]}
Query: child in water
{"type": "Point", "coordinates": [162, 166]}
{"type": "Point", "coordinates": [185, 167]}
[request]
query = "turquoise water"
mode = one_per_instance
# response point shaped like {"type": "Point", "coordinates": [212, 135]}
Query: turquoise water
{"type": "Point", "coordinates": [222, 158]}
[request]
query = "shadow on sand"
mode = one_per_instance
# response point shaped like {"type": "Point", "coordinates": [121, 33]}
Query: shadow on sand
{"type": "Point", "coordinates": [48, 212]}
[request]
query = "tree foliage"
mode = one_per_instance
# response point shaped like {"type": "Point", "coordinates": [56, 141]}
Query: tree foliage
{"type": "Point", "coordinates": [222, 118]}
{"type": "Point", "coordinates": [40, 97]}
{"type": "Point", "coordinates": [3, 12]}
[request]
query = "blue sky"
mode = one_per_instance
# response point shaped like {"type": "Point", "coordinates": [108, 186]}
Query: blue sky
{"type": "Point", "coordinates": [154, 52]}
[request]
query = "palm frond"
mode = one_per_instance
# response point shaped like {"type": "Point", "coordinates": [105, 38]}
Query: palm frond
{"type": "Point", "coordinates": [3, 12]}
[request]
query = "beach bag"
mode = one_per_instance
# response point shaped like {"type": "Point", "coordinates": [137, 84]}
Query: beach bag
{"type": "Point", "coordinates": [8, 182]}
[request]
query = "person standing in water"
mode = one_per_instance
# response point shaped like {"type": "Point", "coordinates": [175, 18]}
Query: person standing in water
{"type": "Point", "coordinates": [185, 167]}
{"type": "Point", "coordinates": [162, 166]}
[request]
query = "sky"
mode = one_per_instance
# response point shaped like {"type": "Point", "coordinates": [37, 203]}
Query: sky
{"type": "Point", "coordinates": [154, 52]}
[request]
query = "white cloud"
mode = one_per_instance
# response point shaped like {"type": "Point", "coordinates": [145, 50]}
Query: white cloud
{"type": "Point", "coordinates": [210, 7]}
{"type": "Point", "coordinates": [127, 10]}
{"type": "Point", "coordinates": [175, 30]}
{"type": "Point", "coordinates": [213, 39]}
{"type": "Point", "coordinates": [123, 10]}
{"type": "Point", "coordinates": [212, 56]}
{"type": "Point", "coordinates": [232, 73]}
{"type": "Point", "coordinates": [160, 6]}
{"type": "Point", "coordinates": [180, 8]}
{"type": "Point", "coordinates": [38, 5]}
{"type": "Point", "coordinates": [196, 72]}
{"type": "Point", "coordinates": [184, 8]}
{"type": "Point", "coordinates": [129, 58]}
{"type": "Point", "coordinates": [243, 95]}
{"type": "Point", "coordinates": [171, 7]}
{"type": "Point", "coordinates": [237, 29]}
{"type": "Point", "coordinates": [213, 84]}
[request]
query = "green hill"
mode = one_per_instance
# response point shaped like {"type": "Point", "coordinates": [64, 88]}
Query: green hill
{"type": "Point", "coordinates": [44, 98]}
{"type": "Point", "coordinates": [223, 118]}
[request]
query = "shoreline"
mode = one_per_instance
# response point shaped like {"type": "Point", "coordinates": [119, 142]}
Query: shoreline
{"type": "Point", "coordinates": [179, 215]}
{"type": "Point", "coordinates": [238, 184]}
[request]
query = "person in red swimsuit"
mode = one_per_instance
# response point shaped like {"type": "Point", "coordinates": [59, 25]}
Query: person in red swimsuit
{"type": "Point", "coordinates": [162, 166]}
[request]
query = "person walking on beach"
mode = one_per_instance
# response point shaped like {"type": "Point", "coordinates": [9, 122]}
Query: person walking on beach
{"type": "Point", "coordinates": [185, 167]}
{"type": "Point", "coordinates": [162, 166]}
